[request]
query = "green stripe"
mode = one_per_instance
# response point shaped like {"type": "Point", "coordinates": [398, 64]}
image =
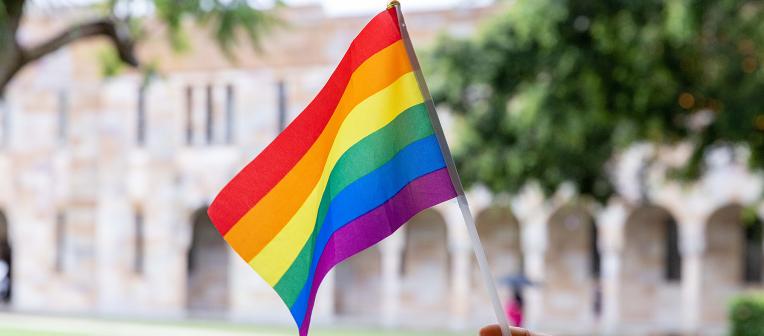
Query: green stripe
{"type": "Point", "coordinates": [361, 159]}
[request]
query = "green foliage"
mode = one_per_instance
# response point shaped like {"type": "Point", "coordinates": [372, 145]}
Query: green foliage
{"type": "Point", "coordinates": [747, 316]}
{"type": "Point", "coordinates": [110, 63]}
{"type": "Point", "coordinates": [4, 20]}
{"type": "Point", "coordinates": [551, 90]}
{"type": "Point", "coordinates": [227, 21]}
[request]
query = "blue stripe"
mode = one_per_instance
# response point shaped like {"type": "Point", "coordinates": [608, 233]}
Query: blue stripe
{"type": "Point", "coordinates": [366, 194]}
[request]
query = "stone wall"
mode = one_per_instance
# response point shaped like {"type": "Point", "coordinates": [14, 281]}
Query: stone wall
{"type": "Point", "coordinates": [90, 169]}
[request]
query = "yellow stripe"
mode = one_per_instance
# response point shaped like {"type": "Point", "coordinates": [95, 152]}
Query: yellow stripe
{"type": "Point", "coordinates": [366, 118]}
{"type": "Point", "coordinates": [268, 217]}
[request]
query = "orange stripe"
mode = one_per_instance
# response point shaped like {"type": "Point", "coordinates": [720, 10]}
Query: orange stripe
{"type": "Point", "coordinates": [261, 223]}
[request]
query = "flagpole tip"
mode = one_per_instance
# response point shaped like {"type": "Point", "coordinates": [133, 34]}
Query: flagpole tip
{"type": "Point", "coordinates": [393, 3]}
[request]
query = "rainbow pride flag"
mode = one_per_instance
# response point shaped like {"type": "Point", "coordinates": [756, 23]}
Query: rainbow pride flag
{"type": "Point", "coordinates": [351, 169]}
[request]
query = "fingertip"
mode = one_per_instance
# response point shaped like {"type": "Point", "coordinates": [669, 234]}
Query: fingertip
{"type": "Point", "coordinates": [493, 330]}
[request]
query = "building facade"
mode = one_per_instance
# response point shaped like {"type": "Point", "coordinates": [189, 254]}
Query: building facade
{"type": "Point", "coordinates": [108, 180]}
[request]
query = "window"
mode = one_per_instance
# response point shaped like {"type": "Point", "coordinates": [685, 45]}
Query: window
{"type": "Point", "coordinates": [752, 256]}
{"type": "Point", "coordinates": [60, 243]}
{"type": "Point", "coordinates": [63, 116]}
{"type": "Point", "coordinates": [230, 111]}
{"type": "Point", "coordinates": [189, 115]}
{"type": "Point", "coordinates": [210, 114]}
{"type": "Point", "coordinates": [139, 242]}
{"type": "Point", "coordinates": [281, 96]}
{"type": "Point", "coordinates": [673, 256]}
{"type": "Point", "coordinates": [594, 266]}
{"type": "Point", "coordinates": [209, 119]}
{"type": "Point", "coordinates": [140, 128]}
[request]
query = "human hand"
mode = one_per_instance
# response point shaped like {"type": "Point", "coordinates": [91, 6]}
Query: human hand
{"type": "Point", "coordinates": [494, 330]}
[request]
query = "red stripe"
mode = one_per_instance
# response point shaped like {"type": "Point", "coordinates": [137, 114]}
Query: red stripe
{"type": "Point", "coordinates": [275, 161]}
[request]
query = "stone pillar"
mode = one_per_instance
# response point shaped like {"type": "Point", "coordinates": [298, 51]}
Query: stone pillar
{"type": "Point", "coordinates": [692, 246]}
{"type": "Point", "coordinates": [691, 207]}
{"type": "Point", "coordinates": [533, 253]}
{"type": "Point", "coordinates": [533, 211]}
{"type": "Point", "coordinates": [324, 309]}
{"type": "Point", "coordinates": [392, 256]}
{"type": "Point", "coordinates": [460, 251]}
{"type": "Point", "coordinates": [461, 271]}
{"type": "Point", "coordinates": [611, 221]}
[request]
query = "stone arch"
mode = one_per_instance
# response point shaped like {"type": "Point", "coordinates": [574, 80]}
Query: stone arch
{"type": "Point", "coordinates": [359, 280]}
{"type": "Point", "coordinates": [724, 262]}
{"type": "Point", "coordinates": [207, 268]}
{"type": "Point", "coordinates": [649, 294]}
{"type": "Point", "coordinates": [425, 268]}
{"type": "Point", "coordinates": [6, 258]}
{"type": "Point", "coordinates": [569, 286]}
{"type": "Point", "coordinates": [499, 232]}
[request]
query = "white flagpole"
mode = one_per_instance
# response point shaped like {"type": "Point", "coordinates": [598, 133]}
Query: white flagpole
{"type": "Point", "coordinates": [477, 246]}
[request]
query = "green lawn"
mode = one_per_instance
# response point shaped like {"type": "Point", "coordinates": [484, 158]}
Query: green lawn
{"type": "Point", "coordinates": [244, 329]}
{"type": "Point", "coordinates": [317, 331]}
{"type": "Point", "coordinates": [24, 332]}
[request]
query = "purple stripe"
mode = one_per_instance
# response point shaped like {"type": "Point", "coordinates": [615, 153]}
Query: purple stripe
{"type": "Point", "coordinates": [376, 225]}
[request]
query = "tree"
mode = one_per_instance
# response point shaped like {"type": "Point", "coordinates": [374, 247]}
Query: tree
{"type": "Point", "coordinates": [226, 20]}
{"type": "Point", "coordinates": [551, 90]}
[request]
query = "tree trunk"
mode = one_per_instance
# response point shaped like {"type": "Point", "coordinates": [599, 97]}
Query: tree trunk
{"type": "Point", "coordinates": [7, 66]}
{"type": "Point", "coordinates": [9, 57]}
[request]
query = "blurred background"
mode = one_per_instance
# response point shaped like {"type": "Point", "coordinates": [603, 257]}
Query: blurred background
{"type": "Point", "coordinates": [613, 153]}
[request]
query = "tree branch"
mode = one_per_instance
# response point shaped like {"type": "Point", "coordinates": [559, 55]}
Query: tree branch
{"type": "Point", "coordinates": [117, 31]}
{"type": "Point", "coordinates": [15, 9]}
{"type": "Point", "coordinates": [114, 29]}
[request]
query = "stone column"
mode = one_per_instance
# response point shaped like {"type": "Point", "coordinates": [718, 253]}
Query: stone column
{"type": "Point", "coordinates": [460, 283]}
{"type": "Point", "coordinates": [534, 233]}
{"type": "Point", "coordinates": [392, 255]}
{"type": "Point", "coordinates": [460, 251]}
{"type": "Point", "coordinates": [692, 246]}
{"type": "Point", "coordinates": [611, 221]}
{"type": "Point", "coordinates": [533, 211]}
{"type": "Point", "coordinates": [324, 309]}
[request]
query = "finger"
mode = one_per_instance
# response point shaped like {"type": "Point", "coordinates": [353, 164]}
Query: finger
{"type": "Point", "coordinates": [519, 332]}
{"type": "Point", "coordinates": [495, 330]}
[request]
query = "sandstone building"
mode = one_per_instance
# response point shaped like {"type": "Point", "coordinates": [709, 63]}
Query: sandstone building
{"type": "Point", "coordinates": [107, 183]}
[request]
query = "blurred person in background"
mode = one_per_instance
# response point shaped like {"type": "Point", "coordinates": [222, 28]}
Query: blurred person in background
{"type": "Point", "coordinates": [5, 281]}
{"type": "Point", "coordinates": [514, 307]}
{"type": "Point", "coordinates": [494, 330]}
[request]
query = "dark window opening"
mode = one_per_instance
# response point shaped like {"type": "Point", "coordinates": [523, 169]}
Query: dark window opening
{"type": "Point", "coordinates": [230, 110]}
{"type": "Point", "coordinates": [140, 136]}
{"type": "Point", "coordinates": [594, 267]}
{"type": "Point", "coordinates": [281, 93]}
{"type": "Point", "coordinates": [60, 236]}
{"type": "Point", "coordinates": [189, 115]}
{"type": "Point", "coordinates": [673, 256]}
{"type": "Point", "coordinates": [6, 267]}
{"type": "Point", "coordinates": [752, 253]}
{"type": "Point", "coordinates": [139, 243]}
{"type": "Point", "coordinates": [210, 116]}
{"type": "Point", "coordinates": [63, 115]}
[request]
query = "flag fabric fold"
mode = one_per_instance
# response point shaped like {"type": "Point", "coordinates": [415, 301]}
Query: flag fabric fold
{"type": "Point", "coordinates": [352, 168]}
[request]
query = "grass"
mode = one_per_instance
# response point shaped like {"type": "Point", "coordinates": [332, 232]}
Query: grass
{"type": "Point", "coordinates": [317, 331]}
{"type": "Point", "coordinates": [244, 329]}
{"type": "Point", "coordinates": [26, 332]}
